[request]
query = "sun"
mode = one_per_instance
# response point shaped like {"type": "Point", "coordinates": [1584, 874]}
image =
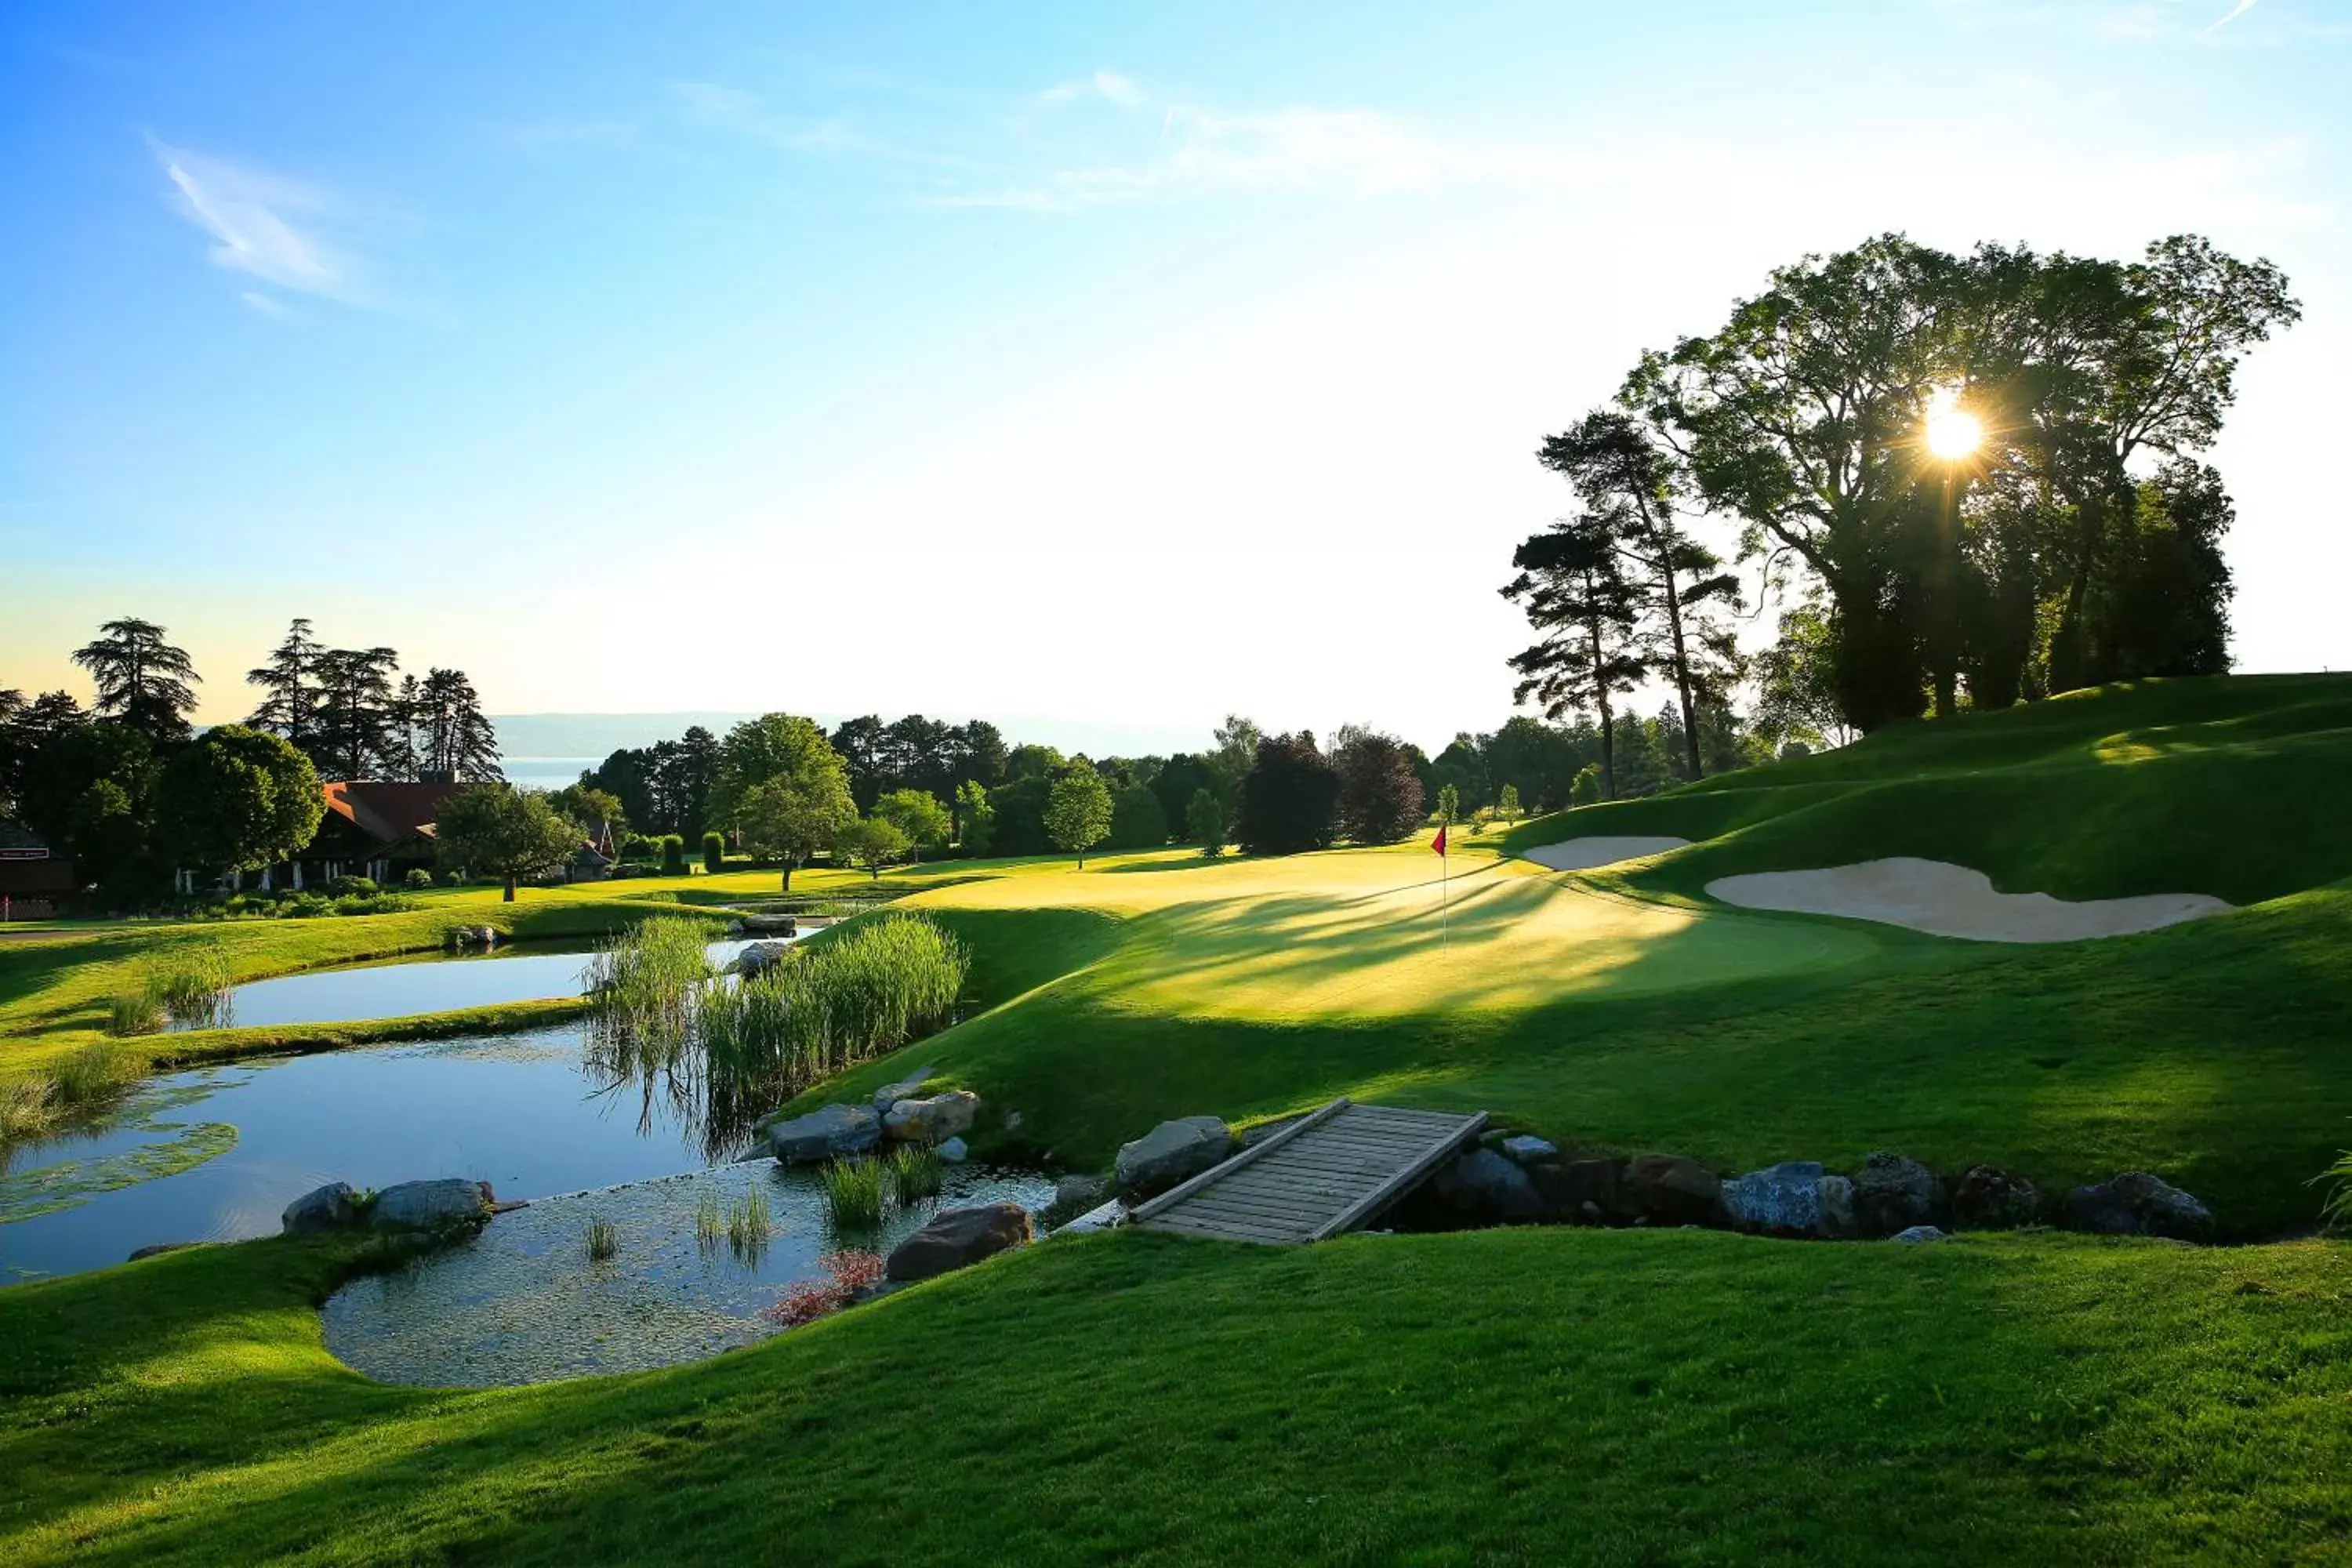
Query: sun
{"type": "Point", "coordinates": [1953, 432]}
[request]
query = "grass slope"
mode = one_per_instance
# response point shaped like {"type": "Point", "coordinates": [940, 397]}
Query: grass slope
{"type": "Point", "coordinates": [1539, 1397]}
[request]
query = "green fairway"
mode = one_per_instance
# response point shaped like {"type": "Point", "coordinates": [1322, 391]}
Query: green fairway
{"type": "Point", "coordinates": [1540, 1396]}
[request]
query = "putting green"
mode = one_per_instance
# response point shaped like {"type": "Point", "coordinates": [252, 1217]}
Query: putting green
{"type": "Point", "coordinates": [1381, 933]}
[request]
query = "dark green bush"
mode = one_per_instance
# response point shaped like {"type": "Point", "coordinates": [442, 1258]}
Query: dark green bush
{"type": "Point", "coordinates": [672, 851]}
{"type": "Point", "coordinates": [419, 878]}
{"type": "Point", "coordinates": [714, 852]}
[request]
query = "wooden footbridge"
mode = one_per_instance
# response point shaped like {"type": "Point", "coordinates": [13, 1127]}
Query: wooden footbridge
{"type": "Point", "coordinates": [1324, 1174]}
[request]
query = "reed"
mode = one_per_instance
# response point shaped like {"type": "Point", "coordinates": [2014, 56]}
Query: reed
{"type": "Point", "coordinates": [916, 1173]}
{"type": "Point", "coordinates": [192, 984]}
{"type": "Point", "coordinates": [748, 1226]}
{"type": "Point", "coordinates": [710, 1225]}
{"type": "Point", "coordinates": [133, 1012]}
{"type": "Point", "coordinates": [853, 1193]}
{"type": "Point", "coordinates": [604, 1240]}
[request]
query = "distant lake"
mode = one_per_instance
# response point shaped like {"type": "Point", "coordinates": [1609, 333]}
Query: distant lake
{"type": "Point", "coordinates": [545, 773]}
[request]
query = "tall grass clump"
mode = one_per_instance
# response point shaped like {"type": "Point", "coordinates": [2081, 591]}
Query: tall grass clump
{"type": "Point", "coordinates": [853, 1193]}
{"type": "Point", "coordinates": [916, 1174]}
{"type": "Point", "coordinates": [132, 1012]}
{"type": "Point", "coordinates": [604, 1240]}
{"type": "Point", "coordinates": [709, 1224]}
{"type": "Point", "coordinates": [869, 990]}
{"type": "Point", "coordinates": [749, 1227]}
{"type": "Point", "coordinates": [192, 984]}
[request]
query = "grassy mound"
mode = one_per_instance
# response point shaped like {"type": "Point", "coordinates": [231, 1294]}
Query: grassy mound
{"type": "Point", "coordinates": [1556, 1396]}
{"type": "Point", "coordinates": [2232, 786]}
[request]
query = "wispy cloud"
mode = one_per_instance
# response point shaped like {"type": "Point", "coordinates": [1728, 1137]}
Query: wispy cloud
{"type": "Point", "coordinates": [255, 300]}
{"type": "Point", "coordinates": [2236, 11]}
{"type": "Point", "coordinates": [263, 224]}
{"type": "Point", "coordinates": [1109, 86]}
{"type": "Point", "coordinates": [749, 113]}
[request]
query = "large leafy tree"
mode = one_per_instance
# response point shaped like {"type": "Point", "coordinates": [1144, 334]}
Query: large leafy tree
{"type": "Point", "coordinates": [238, 799]}
{"type": "Point", "coordinates": [1138, 820]}
{"type": "Point", "coordinates": [507, 833]}
{"type": "Point", "coordinates": [871, 844]}
{"type": "Point", "coordinates": [792, 820]}
{"type": "Point", "coordinates": [1289, 799]}
{"type": "Point", "coordinates": [1381, 798]}
{"type": "Point", "coordinates": [773, 748]}
{"type": "Point", "coordinates": [1078, 808]}
{"type": "Point", "coordinates": [1573, 585]}
{"type": "Point", "coordinates": [918, 815]}
{"type": "Point", "coordinates": [141, 680]}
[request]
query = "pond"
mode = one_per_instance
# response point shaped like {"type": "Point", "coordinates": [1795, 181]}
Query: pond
{"type": "Point", "coordinates": [521, 1111]}
{"type": "Point", "coordinates": [522, 1302]}
{"type": "Point", "coordinates": [397, 987]}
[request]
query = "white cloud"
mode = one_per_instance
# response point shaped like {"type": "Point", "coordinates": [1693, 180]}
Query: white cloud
{"type": "Point", "coordinates": [2236, 11]}
{"type": "Point", "coordinates": [1113, 89]}
{"type": "Point", "coordinates": [264, 224]}
{"type": "Point", "coordinates": [266, 306]}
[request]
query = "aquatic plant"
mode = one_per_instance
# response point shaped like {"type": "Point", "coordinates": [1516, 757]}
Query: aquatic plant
{"type": "Point", "coordinates": [650, 979]}
{"type": "Point", "coordinates": [133, 1012]}
{"type": "Point", "coordinates": [709, 1224]}
{"type": "Point", "coordinates": [847, 1272]}
{"type": "Point", "coordinates": [748, 1226]}
{"type": "Point", "coordinates": [853, 1192]}
{"type": "Point", "coordinates": [604, 1240]}
{"type": "Point", "coordinates": [192, 984]}
{"type": "Point", "coordinates": [916, 1173]}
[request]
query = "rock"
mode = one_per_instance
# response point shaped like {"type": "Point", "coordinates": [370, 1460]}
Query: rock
{"type": "Point", "coordinates": [439, 1204]}
{"type": "Point", "coordinates": [1485, 1186]}
{"type": "Point", "coordinates": [1784, 1199]}
{"type": "Point", "coordinates": [1527, 1147]}
{"type": "Point", "coordinates": [957, 1240]}
{"type": "Point", "coordinates": [1918, 1235]}
{"type": "Point", "coordinates": [908, 1088]}
{"type": "Point", "coordinates": [321, 1208]}
{"type": "Point", "coordinates": [473, 936]}
{"type": "Point", "coordinates": [1171, 1152]}
{"type": "Point", "coordinates": [955, 1151]}
{"type": "Point", "coordinates": [1080, 1192]}
{"type": "Point", "coordinates": [1102, 1216]}
{"type": "Point", "coordinates": [823, 1135]}
{"type": "Point", "coordinates": [942, 1116]}
{"type": "Point", "coordinates": [1989, 1198]}
{"type": "Point", "coordinates": [1588, 1189]}
{"type": "Point", "coordinates": [770, 925]}
{"type": "Point", "coordinates": [1666, 1189]}
{"type": "Point", "coordinates": [760, 957]}
{"type": "Point", "coordinates": [2138, 1203]}
{"type": "Point", "coordinates": [1837, 1221]}
{"type": "Point", "coordinates": [1893, 1192]}
{"type": "Point", "coordinates": [160, 1248]}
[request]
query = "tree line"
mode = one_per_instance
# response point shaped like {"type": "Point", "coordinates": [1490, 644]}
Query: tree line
{"type": "Point", "coordinates": [1974, 478]}
{"type": "Point", "coordinates": [130, 790]}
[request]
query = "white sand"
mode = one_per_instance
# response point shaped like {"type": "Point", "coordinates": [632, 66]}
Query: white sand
{"type": "Point", "coordinates": [1583, 854]}
{"type": "Point", "coordinates": [1944, 900]}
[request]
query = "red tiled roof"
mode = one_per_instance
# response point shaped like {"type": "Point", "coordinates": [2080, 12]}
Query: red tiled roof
{"type": "Point", "coordinates": [387, 812]}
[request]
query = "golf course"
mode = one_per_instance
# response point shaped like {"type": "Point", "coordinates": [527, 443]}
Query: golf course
{"type": "Point", "coordinates": [1534, 1393]}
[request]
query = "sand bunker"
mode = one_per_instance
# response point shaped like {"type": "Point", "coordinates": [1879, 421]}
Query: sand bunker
{"type": "Point", "coordinates": [1583, 854]}
{"type": "Point", "coordinates": [1944, 900]}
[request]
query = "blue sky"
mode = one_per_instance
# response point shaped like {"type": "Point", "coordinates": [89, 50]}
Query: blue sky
{"type": "Point", "coordinates": [1115, 362]}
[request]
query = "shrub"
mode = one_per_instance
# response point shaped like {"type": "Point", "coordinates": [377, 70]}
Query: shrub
{"type": "Point", "coordinates": [714, 852]}
{"type": "Point", "coordinates": [452, 879]}
{"type": "Point", "coordinates": [418, 877]}
{"type": "Point", "coordinates": [352, 886]}
{"type": "Point", "coordinates": [1208, 821]}
{"type": "Point", "coordinates": [1290, 798]}
{"type": "Point", "coordinates": [673, 855]}
{"type": "Point", "coordinates": [847, 1273]}
{"type": "Point", "coordinates": [1585, 788]}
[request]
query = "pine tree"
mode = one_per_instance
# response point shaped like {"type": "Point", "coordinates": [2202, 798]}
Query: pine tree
{"type": "Point", "coordinates": [142, 681]}
{"type": "Point", "coordinates": [1573, 585]}
{"type": "Point", "coordinates": [289, 707]}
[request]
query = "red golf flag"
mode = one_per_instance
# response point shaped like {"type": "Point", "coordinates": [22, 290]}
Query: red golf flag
{"type": "Point", "coordinates": [1438, 843]}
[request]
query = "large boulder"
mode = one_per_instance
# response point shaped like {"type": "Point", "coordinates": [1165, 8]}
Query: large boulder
{"type": "Point", "coordinates": [770, 925]}
{"type": "Point", "coordinates": [1483, 1185]}
{"type": "Point", "coordinates": [2138, 1203]}
{"type": "Point", "coordinates": [906, 1088]}
{"type": "Point", "coordinates": [957, 1238]}
{"type": "Point", "coordinates": [1782, 1200]}
{"type": "Point", "coordinates": [760, 957]}
{"type": "Point", "coordinates": [824, 1135]}
{"type": "Point", "coordinates": [1893, 1192]}
{"type": "Point", "coordinates": [329, 1207]}
{"type": "Point", "coordinates": [931, 1121]}
{"type": "Point", "coordinates": [1587, 1190]}
{"type": "Point", "coordinates": [1169, 1154]}
{"type": "Point", "coordinates": [1837, 1220]}
{"type": "Point", "coordinates": [1989, 1198]}
{"type": "Point", "coordinates": [441, 1204]}
{"type": "Point", "coordinates": [1666, 1189]}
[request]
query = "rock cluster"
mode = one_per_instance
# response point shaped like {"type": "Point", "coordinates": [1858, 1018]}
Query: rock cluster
{"type": "Point", "coordinates": [447, 1204]}
{"type": "Point", "coordinates": [897, 1114]}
